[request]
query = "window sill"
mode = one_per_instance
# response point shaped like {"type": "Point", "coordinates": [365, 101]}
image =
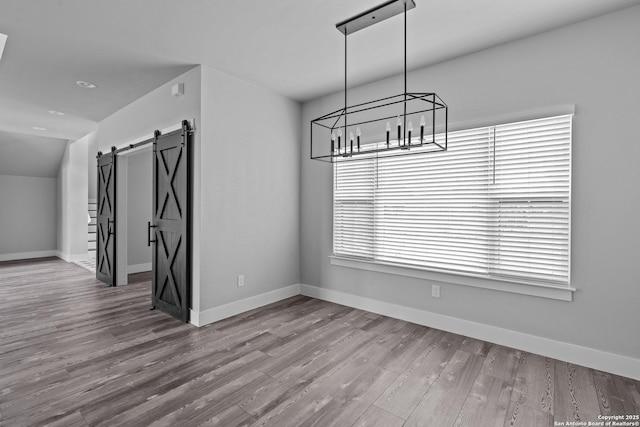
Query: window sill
{"type": "Point", "coordinates": [496, 284]}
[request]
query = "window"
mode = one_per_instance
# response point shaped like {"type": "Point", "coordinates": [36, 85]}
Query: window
{"type": "Point", "coordinates": [496, 204]}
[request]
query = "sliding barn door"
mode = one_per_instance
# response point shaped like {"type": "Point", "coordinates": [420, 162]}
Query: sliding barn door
{"type": "Point", "coordinates": [171, 267]}
{"type": "Point", "coordinates": [106, 219]}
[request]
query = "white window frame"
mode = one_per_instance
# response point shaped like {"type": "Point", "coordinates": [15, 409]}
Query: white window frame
{"type": "Point", "coordinates": [506, 284]}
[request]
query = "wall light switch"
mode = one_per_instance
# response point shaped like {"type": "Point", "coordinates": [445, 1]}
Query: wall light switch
{"type": "Point", "coordinates": [241, 280]}
{"type": "Point", "coordinates": [435, 291]}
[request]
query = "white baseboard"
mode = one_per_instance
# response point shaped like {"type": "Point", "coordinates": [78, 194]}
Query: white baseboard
{"type": "Point", "coordinates": [138, 268]}
{"type": "Point", "coordinates": [27, 255]}
{"type": "Point", "coordinates": [72, 257]}
{"type": "Point", "coordinates": [214, 314]}
{"type": "Point", "coordinates": [585, 356]}
{"type": "Point", "coordinates": [194, 317]}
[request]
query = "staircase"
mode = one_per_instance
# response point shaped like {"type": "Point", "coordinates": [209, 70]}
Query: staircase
{"type": "Point", "coordinates": [92, 235]}
{"type": "Point", "coordinates": [90, 262]}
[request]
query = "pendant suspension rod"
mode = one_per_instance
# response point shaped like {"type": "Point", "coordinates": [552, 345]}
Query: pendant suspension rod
{"type": "Point", "coordinates": [405, 49]}
{"type": "Point", "coordinates": [405, 74]}
{"type": "Point", "coordinates": [345, 90]}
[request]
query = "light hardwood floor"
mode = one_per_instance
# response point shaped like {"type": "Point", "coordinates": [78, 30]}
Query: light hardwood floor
{"type": "Point", "coordinates": [74, 352]}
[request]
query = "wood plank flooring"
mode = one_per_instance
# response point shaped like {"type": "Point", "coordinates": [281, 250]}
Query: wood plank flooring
{"type": "Point", "coordinates": [74, 352]}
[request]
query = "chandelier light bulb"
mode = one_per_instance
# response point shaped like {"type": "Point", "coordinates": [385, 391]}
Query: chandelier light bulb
{"type": "Point", "coordinates": [333, 141]}
{"type": "Point", "coordinates": [388, 130]}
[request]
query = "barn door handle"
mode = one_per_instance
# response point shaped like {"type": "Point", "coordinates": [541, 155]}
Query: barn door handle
{"type": "Point", "coordinates": [109, 229]}
{"type": "Point", "coordinates": [149, 227]}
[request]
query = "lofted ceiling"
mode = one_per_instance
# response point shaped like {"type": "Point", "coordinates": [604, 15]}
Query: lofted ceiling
{"type": "Point", "coordinates": [129, 47]}
{"type": "Point", "coordinates": [29, 155]}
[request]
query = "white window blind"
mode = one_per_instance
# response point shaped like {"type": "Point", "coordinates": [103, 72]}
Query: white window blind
{"type": "Point", "coordinates": [353, 211]}
{"type": "Point", "coordinates": [496, 204]}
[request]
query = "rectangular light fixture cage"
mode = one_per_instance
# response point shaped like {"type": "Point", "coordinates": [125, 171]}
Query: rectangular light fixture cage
{"type": "Point", "coordinates": [409, 123]}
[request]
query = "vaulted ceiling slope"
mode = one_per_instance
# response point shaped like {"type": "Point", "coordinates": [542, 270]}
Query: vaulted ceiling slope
{"type": "Point", "coordinates": [29, 155]}
{"type": "Point", "coordinates": [129, 47]}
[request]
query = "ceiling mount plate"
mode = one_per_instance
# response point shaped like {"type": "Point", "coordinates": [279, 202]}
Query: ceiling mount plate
{"type": "Point", "coordinates": [373, 16]}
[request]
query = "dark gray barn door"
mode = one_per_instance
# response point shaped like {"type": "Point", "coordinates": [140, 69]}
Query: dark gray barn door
{"type": "Point", "coordinates": [105, 219]}
{"type": "Point", "coordinates": [171, 267]}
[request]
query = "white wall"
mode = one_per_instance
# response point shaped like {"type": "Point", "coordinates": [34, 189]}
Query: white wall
{"type": "Point", "coordinates": [137, 121]}
{"type": "Point", "coordinates": [92, 164]}
{"type": "Point", "coordinates": [28, 217]}
{"type": "Point", "coordinates": [72, 200]}
{"type": "Point", "coordinates": [139, 210]}
{"type": "Point", "coordinates": [250, 190]}
{"type": "Point", "coordinates": [593, 65]}
{"type": "Point", "coordinates": [246, 181]}
{"type": "Point", "coordinates": [156, 110]}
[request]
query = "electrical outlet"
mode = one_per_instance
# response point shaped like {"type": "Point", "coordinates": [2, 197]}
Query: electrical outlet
{"type": "Point", "coordinates": [435, 291]}
{"type": "Point", "coordinates": [241, 280]}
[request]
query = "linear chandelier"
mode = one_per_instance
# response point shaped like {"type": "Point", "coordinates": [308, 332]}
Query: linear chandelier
{"type": "Point", "coordinates": [383, 127]}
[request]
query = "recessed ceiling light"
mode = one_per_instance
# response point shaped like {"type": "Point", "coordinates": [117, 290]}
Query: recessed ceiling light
{"type": "Point", "coordinates": [56, 113]}
{"type": "Point", "coordinates": [86, 85]}
{"type": "Point", "coordinates": [39, 128]}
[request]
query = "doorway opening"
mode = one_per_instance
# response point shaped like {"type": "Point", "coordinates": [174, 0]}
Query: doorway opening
{"type": "Point", "coordinates": [134, 211]}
